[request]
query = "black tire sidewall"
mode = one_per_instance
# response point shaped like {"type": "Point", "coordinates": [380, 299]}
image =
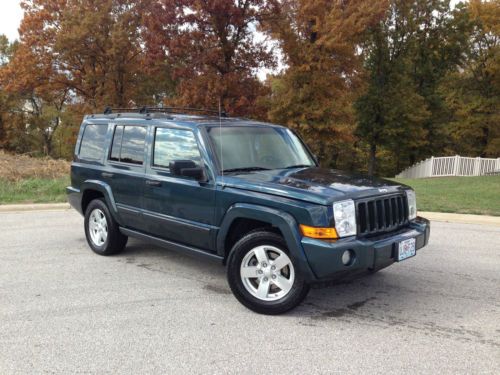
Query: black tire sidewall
{"type": "Point", "coordinates": [258, 238]}
{"type": "Point", "coordinates": [114, 241]}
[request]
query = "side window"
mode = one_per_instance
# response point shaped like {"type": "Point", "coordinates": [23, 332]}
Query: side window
{"type": "Point", "coordinates": [92, 144]}
{"type": "Point", "coordinates": [174, 144]}
{"type": "Point", "coordinates": [128, 144]}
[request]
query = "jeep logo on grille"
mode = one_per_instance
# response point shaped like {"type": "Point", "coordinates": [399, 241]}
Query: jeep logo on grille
{"type": "Point", "coordinates": [382, 190]}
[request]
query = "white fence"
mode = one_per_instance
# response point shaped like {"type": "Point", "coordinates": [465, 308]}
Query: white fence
{"type": "Point", "coordinates": [451, 166]}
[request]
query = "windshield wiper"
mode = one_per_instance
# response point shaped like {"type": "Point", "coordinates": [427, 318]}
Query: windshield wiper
{"type": "Point", "coordinates": [298, 166]}
{"type": "Point", "coordinates": [245, 169]}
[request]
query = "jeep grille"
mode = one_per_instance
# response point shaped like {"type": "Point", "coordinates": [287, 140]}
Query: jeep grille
{"type": "Point", "coordinates": [381, 214]}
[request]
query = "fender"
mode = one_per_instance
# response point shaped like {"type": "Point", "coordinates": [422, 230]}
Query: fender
{"type": "Point", "coordinates": [282, 220]}
{"type": "Point", "coordinates": [105, 189]}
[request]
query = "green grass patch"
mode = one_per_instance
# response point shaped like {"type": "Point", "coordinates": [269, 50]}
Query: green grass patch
{"type": "Point", "coordinates": [33, 190]}
{"type": "Point", "coordinates": [466, 195]}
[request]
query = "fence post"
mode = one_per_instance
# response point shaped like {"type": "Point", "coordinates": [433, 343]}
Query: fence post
{"type": "Point", "coordinates": [430, 171]}
{"type": "Point", "coordinates": [497, 168]}
{"type": "Point", "coordinates": [455, 165]}
{"type": "Point", "coordinates": [477, 167]}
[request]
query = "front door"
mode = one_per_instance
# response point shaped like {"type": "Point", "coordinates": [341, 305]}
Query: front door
{"type": "Point", "coordinates": [176, 208]}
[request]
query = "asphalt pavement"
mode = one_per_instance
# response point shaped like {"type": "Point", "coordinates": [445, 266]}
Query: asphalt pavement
{"type": "Point", "coordinates": [65, 310]}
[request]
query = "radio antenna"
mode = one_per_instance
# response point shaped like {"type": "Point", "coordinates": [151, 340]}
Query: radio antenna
{"type": "Point", "coordinates": [220, 138]}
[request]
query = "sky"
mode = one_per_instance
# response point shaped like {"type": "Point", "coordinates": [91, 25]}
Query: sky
{"type": "Point", "coordinates": [10, 18]}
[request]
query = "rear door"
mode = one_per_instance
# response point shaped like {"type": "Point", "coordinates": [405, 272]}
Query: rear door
{"type": "Point", "coordinates": [125, 175]}
{"type": "Point", "coordinates": [177, 208]}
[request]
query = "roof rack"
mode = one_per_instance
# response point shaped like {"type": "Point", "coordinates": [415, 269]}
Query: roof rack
{"type": "Point", "coordinates": [146, 110]}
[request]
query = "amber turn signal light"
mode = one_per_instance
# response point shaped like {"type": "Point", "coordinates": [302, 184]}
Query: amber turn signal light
{"type": "Point", "coordinates": [320, 233]}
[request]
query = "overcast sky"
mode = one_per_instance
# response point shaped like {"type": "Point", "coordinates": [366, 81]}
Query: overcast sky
{"type": "Point", "coordinates": [10, 18]}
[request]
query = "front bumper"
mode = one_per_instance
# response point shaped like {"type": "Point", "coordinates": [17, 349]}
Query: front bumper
{"type": "Point", "coordinates": [325, 258]}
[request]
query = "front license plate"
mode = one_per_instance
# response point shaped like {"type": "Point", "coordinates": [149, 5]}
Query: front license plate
{"type": "Point", "coordinates": [406, 249]}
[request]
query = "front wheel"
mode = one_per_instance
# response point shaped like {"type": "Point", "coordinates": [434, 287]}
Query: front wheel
{"type": "Point", "coordinates": [263, 276]}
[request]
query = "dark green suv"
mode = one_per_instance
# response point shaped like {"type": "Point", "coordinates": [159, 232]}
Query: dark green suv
{"type": "Point", "coordinates": [247, 194]}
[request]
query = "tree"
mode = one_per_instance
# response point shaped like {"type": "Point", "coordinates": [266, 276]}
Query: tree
{"type": "Point", "coordinates": [7, 102]}
{"type": "Point", "coordinates": [15, 134]}
{"type": "Point", "coordinates": [28, 76]}
{"type": "Point", "coordinates": [391, 112]}
{"type": "Point", "coordinates": [91, 48]}
{"type": "Point", "coordinates": [76, 56]}
{"type": "Point", "coordinates": [407, 55]}
{"type": "Point", "coordinates": [211, 48]}
{"type": "Point", "coordinates": [320, 44]}
{"type": "Point", "coordinates": [473, 92]}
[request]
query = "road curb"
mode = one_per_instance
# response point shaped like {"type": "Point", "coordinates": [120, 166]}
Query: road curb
{"type": "Point", "coordinates": [34, 207]}
{"type": "Point", "coordinates": [461, 218]}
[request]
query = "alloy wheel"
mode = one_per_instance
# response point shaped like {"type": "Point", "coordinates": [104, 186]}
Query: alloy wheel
{"type": "Point", "coordinates": [267, 273]}
{"type": "Point", "coordinates": [98, 227]}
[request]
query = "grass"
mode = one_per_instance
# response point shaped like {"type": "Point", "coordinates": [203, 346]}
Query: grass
{"type": "Point", "coordinates": [33, 190]}
{"type": "Point", "coordinates": [466, 195]}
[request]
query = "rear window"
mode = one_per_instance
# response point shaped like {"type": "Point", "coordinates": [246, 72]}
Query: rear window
{"type": "Point", "coordinates": [92, 145]}
{"type": "Point", "coordinates": [128, 144]}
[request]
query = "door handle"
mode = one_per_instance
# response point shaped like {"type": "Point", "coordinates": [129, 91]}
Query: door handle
{"type": "Point", "coordinates": [153, 183]}
{"type": "Point", "coordinates": [107, 174]}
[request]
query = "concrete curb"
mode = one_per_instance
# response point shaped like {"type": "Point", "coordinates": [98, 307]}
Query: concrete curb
{"type": "Point", "coordinates": [461, 218]}
{"type": "Point", "coordinates": [34, 207]}
{"type": "Point", "coordinates": [433, 216]}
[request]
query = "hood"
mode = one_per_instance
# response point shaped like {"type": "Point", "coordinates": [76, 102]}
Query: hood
{"type": "Point", "coordinates": [315, 185]}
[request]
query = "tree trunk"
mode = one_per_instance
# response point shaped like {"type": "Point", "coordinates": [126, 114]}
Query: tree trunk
{"type": "Point", "coordinates": [413, 158]}
{"type": "Point", "coordinates": [334, 160]}
{"type": "Point", "coordinates": [1, 130]}
{"type": "Point", "coordinates": [398, 163]}
{"type": "Point", "coordinates": [372, 162]}
{"type": "Point", "coordinates": [47, 144]}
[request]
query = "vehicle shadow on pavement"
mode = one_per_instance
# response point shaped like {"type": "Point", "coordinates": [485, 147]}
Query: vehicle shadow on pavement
{"type": "Point", "coordinates": [159, 259]}
{"type": "Point", "coordinates": [397, 298]}
{"type": "Point", "coordinates": [341, 298]}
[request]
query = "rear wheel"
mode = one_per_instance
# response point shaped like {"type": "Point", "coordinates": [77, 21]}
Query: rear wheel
{"type": "Point", "coordinates": [101, 230]}
{"type": "Point", "coordinates": [263, 276]}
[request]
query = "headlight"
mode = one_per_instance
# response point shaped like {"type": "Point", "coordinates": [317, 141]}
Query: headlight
{"type": "Point", "coordinates": [412, 204]}
{"type": "Point", "coordinates": [344, 213]}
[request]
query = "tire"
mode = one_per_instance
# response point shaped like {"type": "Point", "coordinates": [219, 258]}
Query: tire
{"type": "Point", "coordinates": [101, 230]}
{"type": "Point", "coordinates": [278, 285]}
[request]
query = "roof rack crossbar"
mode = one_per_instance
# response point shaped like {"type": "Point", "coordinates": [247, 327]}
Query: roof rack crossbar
{"type": "Point", "coordinates": [146, 110]}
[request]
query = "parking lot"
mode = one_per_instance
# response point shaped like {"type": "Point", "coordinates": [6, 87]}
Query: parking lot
{"type": "Point", "coordinates": [64, 309]}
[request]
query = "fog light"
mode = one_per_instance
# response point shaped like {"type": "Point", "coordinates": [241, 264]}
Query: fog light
{"type": "Point", "coordinates": [347, 257]}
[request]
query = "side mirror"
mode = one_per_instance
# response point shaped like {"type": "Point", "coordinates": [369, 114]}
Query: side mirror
{"type": "Point", "coordinates": [187, 168]}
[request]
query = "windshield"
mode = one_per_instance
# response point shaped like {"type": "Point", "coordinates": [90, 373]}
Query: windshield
{"type": "Point", "coordinates": [258, 147]}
